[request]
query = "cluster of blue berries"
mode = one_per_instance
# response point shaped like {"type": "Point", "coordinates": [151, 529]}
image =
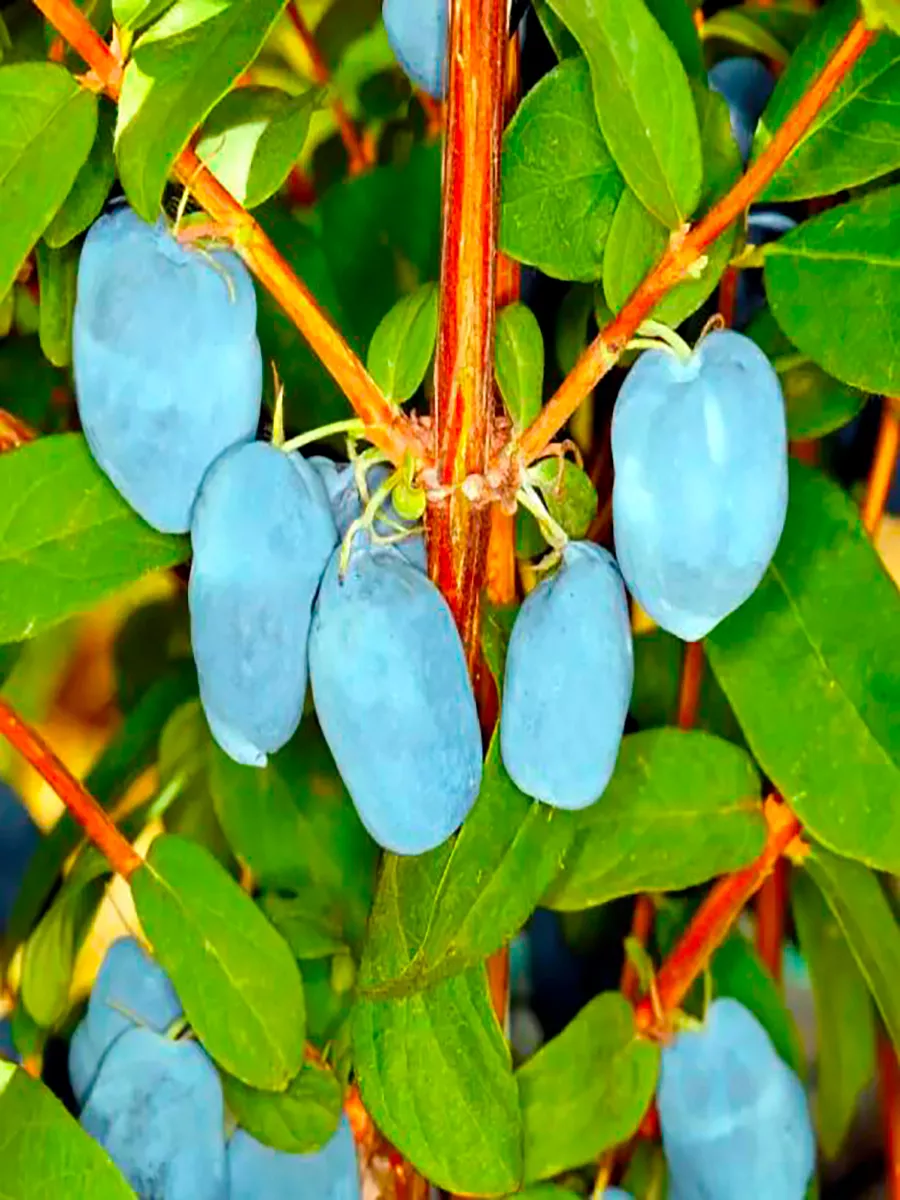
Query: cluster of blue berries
{"type": "Point", "coordinates": [168, 375]}
{"type": "Point", "coordinates": [734, 1117]}
{"type": "Point", "coordinates": [154, 1101]}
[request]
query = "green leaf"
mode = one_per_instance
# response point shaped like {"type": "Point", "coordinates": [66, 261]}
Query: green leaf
{"type": "Point", "coordinates": [740, 29]}
{"type": "Point", "coordinates": [643, 102]}
{"type": "Point", "coordinates": [816, 403]}
{"type": "Point", "coordinates": [252, 139]}
{"type": "Point", "coordinates": [310, 928]}
{"type": "Point", "coordinates": [737, 971]}
{"type": "Point", "coordinates": [787, 22]}
{"type": "Point", "coordinates": [568, 493]}
{"type": "Point", "coordinates": [562, 42]}
{"type": "Point", "coordinates": [882, 14]}
{"type": "Point", "coordinates": [637, 240]}
{"type": "Point", "coordinates": [344, 23]}
{"type": "Point", "coordinates": [45, 1152]}
{"type": "Point", "coordinates": [294, 825]}
{"type": "Point", "coordinates": [135, 14]}
{"type": "Point", "coordinates": [441, 913]}
{"type": "Point", "coordinates": [560, 185]}
{"type": "Point", "coordinates": [845, 1022]}
{"type": "Point", "coordinates": [677, 23]}
{"type": "Point", "coordinates": [856, 136]}
{"type": "Point", "coordinates": [572, 320]}
{"type": "Point", "coordinates": [681, 807]}
{"type": "Point", "coordinates": [852, 253]}
{"type": "Point", "coordinates": [818, 694]}
{"type": "Point", "coordinates": [57, 276]}
{"type": "Point", "coordinates": [857, 900]}
{"type": "Point", "coordinates": [48, 124]}
{"type": "Point", "coordinates": [235, 976]}
{"type": "Point", "coordinates": [49, 959]}
{"type": "Point", "coordinates": [587, 1089]}
{"type": "Point", "coordinates": [85, 201]}
{"type": "Point", "coordinates": [519, 364]}
{"type": "Point", "coordinates": [297, 1121]}
{"type": "Point", "coordinates": [68, 539]}
{"type": "Point", "coordinates": [130, 751]}
{"type": "Point", "coordinates": [435, 1075]}
{"type": "Point", "coordinates": [178, 71]}
{"type": "Point", "coordinates": [403, 344]}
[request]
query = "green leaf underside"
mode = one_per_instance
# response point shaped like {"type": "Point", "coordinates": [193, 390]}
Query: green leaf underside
{"type": "Point", "coordinates": [587, 1089]}
{"type": "Point", "coordinates": [814, 678]}
{"type": "Point", "coordinates": [47, 126]}
{"type": "Point", "coordinates": [682, 807]}
{"type": "Point", "coordinates": [637, 240]}
{"type": "Point", "coordinates": [434, 1072]}
{"type": "Point", "coordinates": [844, 1014]}
{"type": "Point", "coordinates": [44, 1150]}
{"type": "Point", "coordinates": [856, 136]}
{"type": "Point", "coordinates": [857, 900]}
{"type": "Point", "coordinates": [178, 71]}
{"type": "Point", "coordinates": [235, 976]}
{"type": "Point", "coordinates": [296, 1121]}
{"type": "Point", "coordinates": [641, 94]}
{"type": "Point", "coordinates": [560, 185]}
{"type": "Point", "coordinates": [68, 540]}
{"type": "Point", "coordinates": [440, 913]}
{"type": "Point", "coordinates": [852, 252]}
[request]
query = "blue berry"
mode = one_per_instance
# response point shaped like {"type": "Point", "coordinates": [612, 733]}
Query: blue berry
{"type": "Point", "coordinates": [168, 369]}
{"type": "Point", "coordinates": [569, 672]}
{"type": "Point", "coordinates": [735, 1121]}
{"type": "Point", "coordinates": [130, 990]}
{"type": "Point", "coordinates": [746, 85]}
{"type": "Point", "coordinates": [262, 534]}
{"type": "Point", "coordinates": [255, 1170]}
{"type": "Point", "coordinates": [701, 486]}
{"type": "Point", "coordinates": [156, 1107]}
{"type": "Point", "coordinates": [417, 31]}
{"type": "Point", "coordinates": [19, 837]}
{"type": "Point", "coordinates": [394, 699]}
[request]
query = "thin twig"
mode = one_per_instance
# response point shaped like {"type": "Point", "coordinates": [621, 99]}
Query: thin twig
{"type": "Point", "coordinates": [884, 466]}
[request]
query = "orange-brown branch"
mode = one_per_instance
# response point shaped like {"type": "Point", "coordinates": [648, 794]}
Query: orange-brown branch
{"type": "Point", "coordinates": [684, 253]}
{"type": "Point", "coordinates": [464, 384]}
{"type": "Point", "coordinates": [386, 428]}
{"type": "Point", "coordinates": [884, 466]}
{"type": "Point", "coordinates": [81, 804]}
{"type": "Point", "coordinates": [715, 917]}
{"type": "Point", "coordinates": [358, 151]}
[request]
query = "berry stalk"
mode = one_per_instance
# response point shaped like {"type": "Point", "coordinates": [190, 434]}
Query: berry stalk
{"type": "Point", "coordinates": [117, 850]}
{"type": "Point", "coordinates": [386, 427]}
{"type": "Point", "coordinates": [684, 251]}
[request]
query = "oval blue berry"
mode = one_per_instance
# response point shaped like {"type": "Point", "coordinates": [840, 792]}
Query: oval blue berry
{"type": "Point", "coordinates": [19, 837]}
{"type": "Point", "coordinates": [262, 535]}
{"type": "Point", "coordinates": [157, 1109]}
{"type": "Point", "coordinates": [130, 990]}
{"type": "Point", "coordinates": [567, 685]}
{"type": "Point", "coordinates": [417, 31]}
{"type": "Point", "coordinates": [255, 1170]}
{"type": "Point", "coordinates": [746, 85]}
{"type": "Point", "coordinates": [735, 1121]}
{"type": "Point", "coordinates": [701, 485]}
{"type": "Point", "coordinates": [394, 699]}
{"type": "Point", "coordinates": [168, 368]}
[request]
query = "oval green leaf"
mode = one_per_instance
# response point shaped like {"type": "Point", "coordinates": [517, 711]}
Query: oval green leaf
{"type": "Point", "coordinates": [681, 807]}
{"type": "Point", "coordinates": [236, 978]}
{"type": "Point", "coordinates": [57, 277]}
{"type": "Point", "coordinates": [403, 344]}
{"type": "Point", "coordinates": [85, 201]}
{"type": "Point", "coordinates": [834, 287]}
{"type": "Point", "coordinates": [814, 677]}
{"type": "Point", "coordinates": [519, 363]}
{"type": "Point", "coordinates": [297, 1121]}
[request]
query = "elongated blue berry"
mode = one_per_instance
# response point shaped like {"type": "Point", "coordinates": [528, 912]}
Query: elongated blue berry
{"type": "Point", "coordinates": [746, 85]}
{"type": "Point", "coordinates": [417, 31]}
{"type": "Point", "coordinates": [168, 369]}
{"type": "Point", "coordinates": [735, 1121]}
{"type": "Point", "coordinates": [394, 699]}
{"type": "Point", "coordinates": [256, 1171]}
{"type": "Point", "coordinates": [262, 535]}
{"type": "Point", "coordinates": [567, 686]}
{"type": "Point", "coordinates": [701, 486]}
